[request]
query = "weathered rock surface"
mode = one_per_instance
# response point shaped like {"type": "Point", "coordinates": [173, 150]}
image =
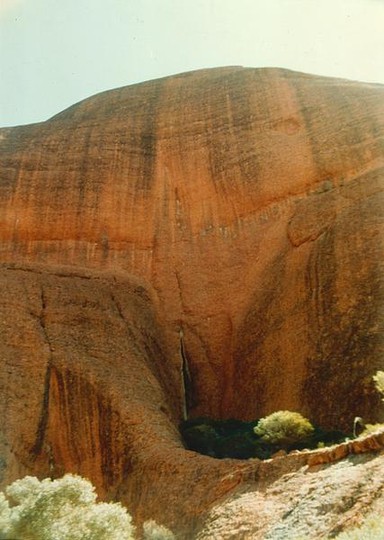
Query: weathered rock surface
{"type": "Point", "coordinates": [312, 502]}
{"type": "Point", "coordinates": [232, 217]}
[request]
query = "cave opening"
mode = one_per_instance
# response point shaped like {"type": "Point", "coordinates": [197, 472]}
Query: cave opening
{"type": "Point", "coordinates": [233, 438]}
{"type": "Point", "coordinates": [236, 439]}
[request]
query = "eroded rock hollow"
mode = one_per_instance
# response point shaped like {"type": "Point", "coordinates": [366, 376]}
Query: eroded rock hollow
{"type": "Point", "coordinates": [204, 244]}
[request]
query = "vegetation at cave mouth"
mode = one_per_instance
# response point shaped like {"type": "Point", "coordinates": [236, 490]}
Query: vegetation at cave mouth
{"type": "Point", "coordinates": [237, 439]}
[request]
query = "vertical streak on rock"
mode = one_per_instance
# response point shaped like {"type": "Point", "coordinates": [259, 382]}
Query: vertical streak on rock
{"type": "Point", "coordinates": [82, 176]}
{"type": "Point", "coordinates": [148, 140]}
{"type": "Point", "coordinates": [314, 288]}
{"type": "Point", "coordinates": [186, 381]}
{"type": "Point", "coordinates": [44, 412]}
{"type": "Point", "coordinates": [43, 420]}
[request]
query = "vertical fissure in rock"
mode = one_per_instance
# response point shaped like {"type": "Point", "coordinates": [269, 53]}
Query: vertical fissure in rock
{"type": "Point", "coordinates": [44, 412]}
{"type": "Point", "coordinates": [186, 380]}
{"type": "Point", "coordinates": [118, 308]}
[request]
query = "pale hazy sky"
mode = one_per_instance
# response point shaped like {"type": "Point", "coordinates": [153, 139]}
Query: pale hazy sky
{"type": "Point", "coordinates": [54, 53]}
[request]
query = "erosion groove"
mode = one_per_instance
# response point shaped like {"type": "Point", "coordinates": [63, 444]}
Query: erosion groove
{"type": "Point", "coordinates": [243, 206]}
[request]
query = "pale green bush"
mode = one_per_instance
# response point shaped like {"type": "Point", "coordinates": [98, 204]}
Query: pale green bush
{"type": "Point", "coordinates": [371, 529]}
{"type": "Point", "coordinates": [5, 514]}
{"type": "Point", "coordinates": [372, 428]}
{"type": "Point", "coordinates": [63, 509]}
{"type": "Point", "coordinates": [66, 509]}
{"type": "Point", "coordinates": [153, 531]}
{"type": "Point", "coordinates": [284, 428]}
{"type": "Point", "coordinates": [379, 382]}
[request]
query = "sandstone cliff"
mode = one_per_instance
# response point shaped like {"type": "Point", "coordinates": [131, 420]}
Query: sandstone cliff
{"type": "Point", "coordinates": [226, 219]}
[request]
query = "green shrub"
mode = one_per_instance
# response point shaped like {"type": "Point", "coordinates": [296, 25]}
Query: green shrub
{"type": "Point", "coordinates": [379, 382]}
{"type": "Point", "coordinates": [220, 439]}
{"type": "Point", "coordinates": [371, 428]}
{"type": "Point", "coordinates": [201, 438]}
{"type": "Point", "coordinates": [60, 510]}
{"type": "Point", "coordinates": [284, 428]}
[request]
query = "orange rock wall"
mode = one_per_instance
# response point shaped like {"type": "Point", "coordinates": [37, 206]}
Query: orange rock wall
{"type": "Point", "coordinates": [248, 199]}
{"type": "Point", "coordinates": [238, 210]}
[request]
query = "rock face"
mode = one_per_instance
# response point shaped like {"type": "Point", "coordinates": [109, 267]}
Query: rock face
{"type": "Point", "coordinates": [209, 244]}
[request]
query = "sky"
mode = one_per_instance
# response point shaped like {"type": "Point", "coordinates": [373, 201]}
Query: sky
{"type": "Point", "coordinates": [54, 53]}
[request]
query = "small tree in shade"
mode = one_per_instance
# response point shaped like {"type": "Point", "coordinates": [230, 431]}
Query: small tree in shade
{"type": "Point", "coordinates": [284, 428]}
